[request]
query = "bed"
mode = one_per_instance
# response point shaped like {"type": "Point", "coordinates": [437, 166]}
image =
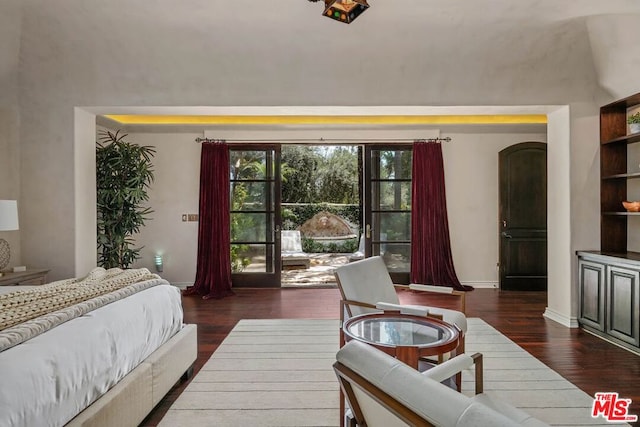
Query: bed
{"type": "Point", "coordinates": [106, 360]}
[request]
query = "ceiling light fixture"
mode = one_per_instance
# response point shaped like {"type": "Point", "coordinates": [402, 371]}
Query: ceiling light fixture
{"type": "Point", "coordinates": [343, 10]}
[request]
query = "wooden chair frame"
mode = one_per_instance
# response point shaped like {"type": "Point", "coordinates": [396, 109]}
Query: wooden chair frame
{"type": "Point", "coordinates": [460, 294]}
{"type": "Point", "coordinates": [346, 376]}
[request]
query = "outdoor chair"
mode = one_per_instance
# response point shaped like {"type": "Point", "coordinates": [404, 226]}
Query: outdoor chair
{"type": "Point", "coordinates": [382, 391]}
{"type": "Point", "coordinates": [366, 287]}
{"type": "Point", "coordinates": [291, 250]}
{"type": "Point", "coordinates": [359, 254]}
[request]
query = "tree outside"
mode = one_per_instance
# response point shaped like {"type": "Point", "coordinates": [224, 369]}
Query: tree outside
{"type": "Point", "coordinates": [320, 174]}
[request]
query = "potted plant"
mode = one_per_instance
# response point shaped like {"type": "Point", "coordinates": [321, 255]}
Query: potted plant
{"type": "Point", "coordinates": [634, 122]}
{"type": "Point", "coordinates": [123, 174]}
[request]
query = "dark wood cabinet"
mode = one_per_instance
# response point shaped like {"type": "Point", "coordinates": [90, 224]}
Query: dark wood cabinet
{"type": "Point", "coordinates": [609, 296]}
{"type": "Point", "coordinates": [592, 293]}
{"type": "Point", "coordinates": [622, 303]}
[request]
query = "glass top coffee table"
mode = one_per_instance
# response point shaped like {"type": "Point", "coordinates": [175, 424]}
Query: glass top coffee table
{"type": "Point", "coordinates": [406, 337]}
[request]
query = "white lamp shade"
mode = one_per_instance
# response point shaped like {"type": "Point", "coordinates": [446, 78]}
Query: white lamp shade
{"type": "Point", "coordinates": [8, 215]}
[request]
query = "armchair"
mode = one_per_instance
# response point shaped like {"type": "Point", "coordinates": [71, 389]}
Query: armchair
{"type": "Point", "coordinates": [366, 287]}
{"type": "Point", "coordinates": [382, 391]}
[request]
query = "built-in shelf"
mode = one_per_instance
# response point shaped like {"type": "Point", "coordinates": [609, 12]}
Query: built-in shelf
{"type": "Point", "coordinates": [621, 213]}
{"type": "Point", "coordinates": [615, 173]}
{"type": "Point", "coordinates": [629, 139]}
{"type": "Point", "coordinates": [623, 175]}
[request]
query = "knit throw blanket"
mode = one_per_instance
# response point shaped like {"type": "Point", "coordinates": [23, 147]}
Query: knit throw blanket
{"type": "Point", "coordinates": [27, 313]}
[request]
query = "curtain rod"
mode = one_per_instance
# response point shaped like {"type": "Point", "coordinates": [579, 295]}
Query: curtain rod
{"type": "Point", "coordinates": [329, 141]}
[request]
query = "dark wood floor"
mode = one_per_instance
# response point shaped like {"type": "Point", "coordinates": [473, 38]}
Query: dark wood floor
{"type": "Point", "coordinates": [588, 362]}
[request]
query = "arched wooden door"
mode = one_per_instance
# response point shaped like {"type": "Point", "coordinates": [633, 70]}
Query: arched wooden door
{"type": "Point", "coordinates": [523, 217]}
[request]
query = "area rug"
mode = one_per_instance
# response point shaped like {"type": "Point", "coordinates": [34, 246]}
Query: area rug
{"type": "Point", "coordinates": [278, 373]}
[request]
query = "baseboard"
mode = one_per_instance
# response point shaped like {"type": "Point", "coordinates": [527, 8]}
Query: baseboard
{"type": "Point", "coordinates": [182, 285]}
{"type": "Point", "coordinates": [611, 341]}
{"type": "Point", "coordinates": [568, 321]}
{"type": "Point", "coordinates": [481, 284]}
{"type": "Point", "coordinates": [487, 284]}
{"type": "Point", "coordinates": [478, 284]}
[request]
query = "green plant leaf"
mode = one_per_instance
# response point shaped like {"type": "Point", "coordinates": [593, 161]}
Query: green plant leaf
{"type": "Point", "coordinates": [124, 172]}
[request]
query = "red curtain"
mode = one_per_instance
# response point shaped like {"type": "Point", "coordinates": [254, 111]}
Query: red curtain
{"type": "Point", "coordinates": [213, 274]}
{"type": "Point", "coordinates": [431, 260]}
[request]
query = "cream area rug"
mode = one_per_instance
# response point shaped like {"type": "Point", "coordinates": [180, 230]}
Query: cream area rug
{"type": "Point", "coordinates": [279, 373]}
{"type": "Point", "coordinates": [265, 373]}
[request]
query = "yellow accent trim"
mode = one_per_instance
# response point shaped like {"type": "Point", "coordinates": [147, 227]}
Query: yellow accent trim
{"type": "Point", "coordinates": [326, 120]}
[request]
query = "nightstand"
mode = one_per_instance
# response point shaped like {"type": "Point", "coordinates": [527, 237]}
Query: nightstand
{"type": "Point", "coordinates": [28, 277]}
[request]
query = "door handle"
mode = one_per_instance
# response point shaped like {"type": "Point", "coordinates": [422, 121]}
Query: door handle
{"type": "Point", "coordinates": [368, 231]}
{"type": "Point", "coordinates": [506, 235]}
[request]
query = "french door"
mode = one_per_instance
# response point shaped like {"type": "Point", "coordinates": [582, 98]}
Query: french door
{"type": "Point", "coordinates": [387, 207]}
{"type": "Point", "coordinates": [255, 215]}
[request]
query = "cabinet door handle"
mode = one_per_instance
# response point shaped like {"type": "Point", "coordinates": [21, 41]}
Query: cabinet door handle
{"type": "Point", "coordinates": [506, 235]}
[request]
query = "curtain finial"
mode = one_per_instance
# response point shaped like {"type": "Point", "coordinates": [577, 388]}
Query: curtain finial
{"type": "Point", "coordinates": [210, 140]}
{"type": "Point", "coordinates": [433, 140]}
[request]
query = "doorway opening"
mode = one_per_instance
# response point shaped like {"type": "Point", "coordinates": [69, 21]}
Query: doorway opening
{"type": "Point", "coordinates": [322, 209]}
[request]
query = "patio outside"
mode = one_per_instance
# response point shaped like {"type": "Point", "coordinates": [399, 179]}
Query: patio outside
{"type": "Point", "coordinates": [319, 273]}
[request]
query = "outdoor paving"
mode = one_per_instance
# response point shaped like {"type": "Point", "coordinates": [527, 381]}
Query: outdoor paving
{"type": "Point", "coordinates": [320, 273]}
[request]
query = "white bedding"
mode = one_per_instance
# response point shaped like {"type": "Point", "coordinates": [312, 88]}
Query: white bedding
{"type": "Point", "coordinates": [49, 379]}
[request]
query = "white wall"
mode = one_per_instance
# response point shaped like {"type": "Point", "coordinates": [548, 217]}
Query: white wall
{"type": "Point", "coordinates": [613, 39]}
{"type": "Point", "coordinates": [174, 191]}
{"type": "Point", "coordinates": [10, 26]}
{"type": "Point", "coordinates": [84, 189]}
{"type": "Point", "coordinates": [9, 175]}
{"type": "Point", "coordinates": [10, 32]}
{"type": "Point", "coordinates": [471, 174]}
{"type": "Point", "coordinates": [561, 283]}
{"type": "Point", "coordinates": [584, 194]}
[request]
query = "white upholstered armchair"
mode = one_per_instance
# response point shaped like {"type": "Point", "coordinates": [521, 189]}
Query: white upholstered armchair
{"type": "Point", "coordinates": [366, 287]}
{"type": "Point", "coordinates": [382, 391]}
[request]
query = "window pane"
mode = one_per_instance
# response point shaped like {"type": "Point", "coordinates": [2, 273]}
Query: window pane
{"type": "Point", "coordinates": [397, 256]}
{"type": "Point", "coordinates": [393, 195]}
{"type": "Point", "coordinates": [248, 165]}
{"type": "Point", "coordinates": [392, 226]}
{"type": "Point", "coordinates": [248, 227]}
{"type": "Point", "coordinates": [249, 259]}
{"type": "Point", "coordinates": [252, 196]}
{"type": "Point", "coordinates": [393, 164]}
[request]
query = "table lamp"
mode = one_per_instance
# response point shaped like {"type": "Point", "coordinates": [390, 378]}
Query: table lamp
{"type": "Point", "coordinates": [8, 222]}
